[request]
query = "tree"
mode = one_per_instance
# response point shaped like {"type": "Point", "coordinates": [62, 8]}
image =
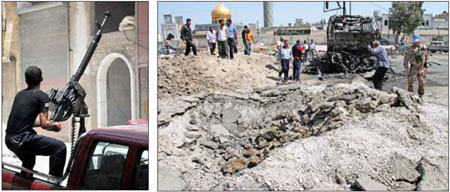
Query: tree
{"type": "Point", "coordinates": [299, 22]}
{"type": "Point", "coordinates": [405, 17]}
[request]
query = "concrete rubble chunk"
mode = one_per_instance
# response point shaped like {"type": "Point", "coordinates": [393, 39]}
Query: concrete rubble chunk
{"type": "Point", "coordinates": [270, 93]}
{"type": "Point", "coordinates": [234, 165]}
{"type": "Point", "coordinates": [193, 135]}
{"type": "Point", "coordinates": [193, 121]}
{"type": "Point", "coordinates": [250, 152]}
{"type": "Point", "coordinates": [269, 133]}
{"type": "Point", "coordinates": [172, 108]}
{"type": "Point", "coordinates": [253, 161]}
{"type": "Point", "coordinates": [434, 172]}
{"type": "Point", "coordinates": [209, 145]}
{"type": "Point", "coordinates": [230, 115]}
{"type": "Point", "coordinates": [406, 99]}
{"type": "Point", "coordinates": [170, 179]}
{"type": "Point", "coordinates": [219, 130]}
{"type": "Point", "coordinates": [365, 183]}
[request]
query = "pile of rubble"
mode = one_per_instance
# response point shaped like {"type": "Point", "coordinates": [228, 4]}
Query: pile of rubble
{"type": "Point", "coordinates": [183, 75]}
{"type": "Point", "coordinates": [225, 137]}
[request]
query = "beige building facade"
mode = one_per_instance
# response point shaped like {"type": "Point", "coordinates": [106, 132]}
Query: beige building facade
{"type": "Point", "coordinates": [55, 36]}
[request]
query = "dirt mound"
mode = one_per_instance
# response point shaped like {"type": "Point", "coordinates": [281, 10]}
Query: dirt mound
{"type": "Point", "coordinates": [295, 137]}
{"type": "Point", "coordinates": [205, 73]}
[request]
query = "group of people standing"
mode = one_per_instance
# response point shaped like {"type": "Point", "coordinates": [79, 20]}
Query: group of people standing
{"type": "Point", "coordinates": [298, 53]}
{"type": "Point", "coordinates": [226, 39]}
{"type": "Point", "coordinates": [415, 60]}
{"type": "Point", "coordinates": [227, 35]}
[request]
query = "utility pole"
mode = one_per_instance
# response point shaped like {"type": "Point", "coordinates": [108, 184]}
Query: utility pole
{"type": "Point", "coordinates": [343, 9]}
{"type": "Point", "coordinates": [389, 22]}
{"type": "Point", "coordinates": [257, 28]}
{"type": "Point", "coordinates": [350, 5]}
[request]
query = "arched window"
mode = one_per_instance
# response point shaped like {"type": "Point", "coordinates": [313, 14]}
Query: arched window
{"type": "Point", "coordinates": [385, 22]}
{"type": "Point", "coordinates": [427, 23]}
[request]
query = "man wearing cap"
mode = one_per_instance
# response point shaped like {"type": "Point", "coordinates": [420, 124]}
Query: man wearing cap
{"type": "Point", "coordinates": [382, 64]}
{"type": "Point", "coordinates": [415, 64]}
{"type": "Point", "coordinates": [22, 139]}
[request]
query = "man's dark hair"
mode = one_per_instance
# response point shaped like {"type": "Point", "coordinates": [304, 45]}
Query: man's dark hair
{"type": "Point", "coordinates": [220, 21]}
{"type": "Point", "coordinates": [170, 36]}
{"type": "Point", "coordinates": [188, 19]}
{"type": "Point", "coordinates": [33, 76]}
{"type": "Point", "coordinates": [298, 41]}
{"type": "Point", "coordinates": [229, 20]}
{"type": "Point", "coordinates": [285, 40]}
{"type": "Point", "coordinates": [245, 27]}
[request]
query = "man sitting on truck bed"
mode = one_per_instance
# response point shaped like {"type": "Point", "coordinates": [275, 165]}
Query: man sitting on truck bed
{"type": "Point", "coordinates": [21, 138]}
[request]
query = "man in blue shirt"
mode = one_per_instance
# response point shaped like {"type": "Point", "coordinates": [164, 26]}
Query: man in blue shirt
{"type": "Point", "coordinates": [382, 63]}
{"type": "Point", "coordinates": [232, 38]}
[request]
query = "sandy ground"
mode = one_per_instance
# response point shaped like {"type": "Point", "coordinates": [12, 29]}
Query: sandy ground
{"type": "Point", "coordinates": [436, 88]}
{"type": "Point", "coordinates": [193, 74]}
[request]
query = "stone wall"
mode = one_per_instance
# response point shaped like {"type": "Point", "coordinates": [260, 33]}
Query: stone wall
{"type": "Point", "coordinates": [114, 42]}
{"type": "Point", "coordinates": [44, 42]}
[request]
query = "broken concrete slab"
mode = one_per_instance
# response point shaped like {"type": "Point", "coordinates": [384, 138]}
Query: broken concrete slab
{"type": "Point", "coordinates": [219, 130]}
{"type": "Point", "coordinates": [419, 132]}
{"type": "Point", "coordinates": [171, 108]}
{"type": "Point", "coordinates": [270, 93]}
{"type": "Point", "coordinates": [209, 145]}
{"type": "Point", "coordinates": [434, 171]}
{"type": "Point", "coordinates": [170, 179]}
{"type": "Point", "coordinates": [230, 115]}
{"type": "Point", "coordinates": [365, 183]}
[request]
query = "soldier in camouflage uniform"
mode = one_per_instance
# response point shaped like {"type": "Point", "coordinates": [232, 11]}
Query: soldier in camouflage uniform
{"type": "Point", "coordinates": [416, 64]}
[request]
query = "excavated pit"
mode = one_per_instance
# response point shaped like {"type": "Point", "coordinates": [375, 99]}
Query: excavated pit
{"type": "Point", "coordinates": [225, 133]}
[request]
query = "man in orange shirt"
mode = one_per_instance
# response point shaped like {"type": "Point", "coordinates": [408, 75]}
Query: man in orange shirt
{"type": "Point", "coordinates": [249, 37]}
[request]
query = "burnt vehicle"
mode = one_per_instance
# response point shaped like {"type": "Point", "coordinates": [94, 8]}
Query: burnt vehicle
{"type": "Point", "coordinates": [347, 40]}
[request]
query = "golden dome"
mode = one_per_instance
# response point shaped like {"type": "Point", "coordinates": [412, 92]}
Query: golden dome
{"type": "Point", "coordinates": [220, 12]}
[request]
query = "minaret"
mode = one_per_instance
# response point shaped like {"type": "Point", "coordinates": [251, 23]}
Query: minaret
{"type": "Point", "coordinates": [268, 14]}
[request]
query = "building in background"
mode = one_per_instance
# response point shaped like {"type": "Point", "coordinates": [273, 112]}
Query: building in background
{"type": "Point", "coordinates": [431, 27]}
{"type": "Point", "coordinates": [55, 36]}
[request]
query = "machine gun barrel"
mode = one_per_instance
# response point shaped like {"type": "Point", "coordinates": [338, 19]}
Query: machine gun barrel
{"type": "Point", "coordinates": [91, 49]}
{"type": "Point", "coordinates": [70, 100]}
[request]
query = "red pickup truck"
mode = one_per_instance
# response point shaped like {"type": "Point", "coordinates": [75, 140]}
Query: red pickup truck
{"type": "Point", "coordinates": [107, 158]}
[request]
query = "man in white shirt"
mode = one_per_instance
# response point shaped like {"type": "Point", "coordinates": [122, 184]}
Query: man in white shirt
{"type": "Point", "coordinates": [312, 49]}
{"type": "Point", "coordinates": [285, 56]}
{"type": "Point", "coordinates": [306, 48]}
{"type": "Point", "coordinates": [222, 36]}
{"type": "Point", "coordinates": [211, 37]}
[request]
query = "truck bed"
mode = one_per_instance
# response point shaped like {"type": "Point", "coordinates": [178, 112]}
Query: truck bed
{"type": "Point", "coordinates": [16, 181]}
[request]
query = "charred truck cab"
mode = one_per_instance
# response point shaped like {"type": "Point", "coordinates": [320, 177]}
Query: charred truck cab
{"type": "Point", "coordinates": [347, 40]}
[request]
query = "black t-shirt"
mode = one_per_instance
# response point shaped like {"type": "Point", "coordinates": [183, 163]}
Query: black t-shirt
{"type": "Point", "coordinates": [27, 105]}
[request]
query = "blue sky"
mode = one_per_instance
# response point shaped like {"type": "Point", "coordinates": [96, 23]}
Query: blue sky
{"type": "Point", "coordinates": [283, 12]}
